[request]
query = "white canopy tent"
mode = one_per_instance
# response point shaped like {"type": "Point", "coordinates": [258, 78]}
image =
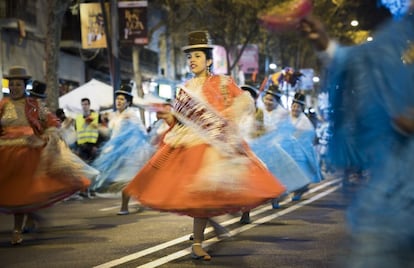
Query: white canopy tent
{"type": "Point", "coordinates": [101, 96]}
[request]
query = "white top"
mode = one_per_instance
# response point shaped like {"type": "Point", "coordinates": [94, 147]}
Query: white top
{"type": "Point", "coordinates": [273, 118]}
{"type": "Point", "coordinates": [116, 118]}
{"type": "Point", "coordinates": [302, 122]}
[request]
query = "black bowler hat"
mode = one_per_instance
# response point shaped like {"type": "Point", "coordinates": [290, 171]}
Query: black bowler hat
{"type": "Point", "coordinates": [299, 98]}
{"type": "Point", "coordinates": [198, 39]}
{"type": "Point", "coordinates": [251, 90]}
{"type": "Point", "coordinates": [274, 91]}
{"type": "Point", "coordinates": [125, 89]}
{"type": "Point", "coordinates": [38, 90]}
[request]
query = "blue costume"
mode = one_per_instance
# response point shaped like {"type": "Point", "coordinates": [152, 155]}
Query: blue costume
{"type": "Point", "coordinates": [280, 163]}
{"type": "Point", "coordinates": [369, 86]}
{"type": "Point", "coordinates": [286, 140]}
{"type": "Point", "coordinates": [126, 152]}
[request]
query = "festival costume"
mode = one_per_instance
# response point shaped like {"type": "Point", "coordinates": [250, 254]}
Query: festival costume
{"type": "Point", "coordinates": [280, 163]}
{"type": "Point", "coordinates": [379, 89]}
{"type": "Point", "coordinates": [302, 123]}
{"type": "Point", "coordinates": [282, 134]}
{"type": "Point", "coordinates": [204, 168]}
{"type": "Point", "coordinates": [305, 134]}
{"type": "Point", "coordinates": [272, 119]}
{"type": "Point", "coordinates": [126, 152]}
{"type": "Point", "coordinates": [68, 132]}
{"type": "Point", "coordinates": [34, 173]}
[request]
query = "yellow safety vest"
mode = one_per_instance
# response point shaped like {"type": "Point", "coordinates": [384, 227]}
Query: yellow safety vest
{"type": "Point", "coordinates": [87, 133]}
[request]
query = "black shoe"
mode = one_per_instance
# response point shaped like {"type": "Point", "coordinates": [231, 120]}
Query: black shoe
{"type": "Point", "coordinates": [29, 228]}
{"type": "Point", "coordinates": [245, 218]}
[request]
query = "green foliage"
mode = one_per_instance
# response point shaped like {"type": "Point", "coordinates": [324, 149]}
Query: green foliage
{"type": "Point", "coordinates": [234, 22]}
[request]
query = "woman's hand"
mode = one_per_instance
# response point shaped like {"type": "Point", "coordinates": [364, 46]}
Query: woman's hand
{"type": "Point", "coordinates": [405, 123]}
{"type": "Point", "coordinates": [313, 29]}
{"type": "Point", "coordinates": [167, 116]}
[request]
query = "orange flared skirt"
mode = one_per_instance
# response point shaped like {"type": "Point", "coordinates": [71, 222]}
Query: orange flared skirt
{"type": "Point", "coordinates": [165, 184]}
{"type": "Point", "coordinates": [23, 189]}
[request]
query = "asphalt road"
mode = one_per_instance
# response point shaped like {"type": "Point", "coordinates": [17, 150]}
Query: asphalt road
{"type": "Point", "coordinates": [88, 233]}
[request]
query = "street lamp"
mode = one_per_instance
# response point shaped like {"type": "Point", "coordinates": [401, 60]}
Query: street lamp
{"type": "Point", "coordinates": [354, 23]}
{"type": "Point", "coordinates": [272, 66]}
{"type": "Point", "coordinates": [316, 79]}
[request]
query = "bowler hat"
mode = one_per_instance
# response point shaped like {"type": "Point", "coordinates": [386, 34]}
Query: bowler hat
{"type": "Point", "coordinates": [251, 90]}
{"type": "Point", "coordinates": [299, 98]}
{"type": "Point", "coordinates": [274, 91]}
{"type": "Point", "coordinates": [198, 39]}
{"type": "Point", "coordinates": [38, 90]}
{"type": "Point", "coordinates": [17, 72]}
{"type": "Point", "coordinates": [125, 89]}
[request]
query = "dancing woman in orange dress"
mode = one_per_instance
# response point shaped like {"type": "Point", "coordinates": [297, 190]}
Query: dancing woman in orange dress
{"type": "Point", "coordinates": [203, 167]}
{"type": "Point", "coordinates": [33, 174]}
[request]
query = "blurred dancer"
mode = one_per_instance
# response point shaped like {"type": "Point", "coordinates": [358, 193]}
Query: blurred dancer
{"type": "Point", "coordinates": [304, 132]}
{"type": "Point", "coordinates": [276, 159]}
{"type": "Point", "coordinates": [273, 113]}
{"type": "Point", "coordinates": [126, 152]}
{"type": "Point", "coordinates": [67, 129]}
{"type": "Point", "coordinates": [203, 167]}
{"type": "Point", "coordinates": [26, 136]}
{"type": "Point", "coordinates": [375, 135]}
{"type": "Point", "coordinates": [281, 132]}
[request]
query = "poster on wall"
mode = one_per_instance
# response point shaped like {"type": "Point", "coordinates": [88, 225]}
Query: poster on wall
{"type": "Point", "coordinates": [92, 25]}
{"type": "Point", "coordinates": [133, 22]}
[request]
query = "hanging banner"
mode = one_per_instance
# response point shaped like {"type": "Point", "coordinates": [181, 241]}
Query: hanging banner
{"type": "Point", "coordinates": [92, 25]}
{"type": "Point", "coordinates": [133, 22]}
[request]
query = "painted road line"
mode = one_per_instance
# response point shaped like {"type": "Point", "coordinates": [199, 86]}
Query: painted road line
{"type": "Point", "coordinates": [118, 206]}
{"type": "Point", "coordinates": [207, 243]}
{"type": "Point", "coordinates": [184, 238]}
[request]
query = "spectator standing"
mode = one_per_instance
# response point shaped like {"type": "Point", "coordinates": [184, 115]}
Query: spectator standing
{"type": "Point", "coordinates": [87, 131]}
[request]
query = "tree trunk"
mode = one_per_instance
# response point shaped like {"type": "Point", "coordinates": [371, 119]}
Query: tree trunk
{"type": "Point", "coordinates": [55, 13]}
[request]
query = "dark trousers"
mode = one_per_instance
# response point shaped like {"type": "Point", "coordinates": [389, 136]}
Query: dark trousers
{"type": "Point", "coordinates": [87, 151]}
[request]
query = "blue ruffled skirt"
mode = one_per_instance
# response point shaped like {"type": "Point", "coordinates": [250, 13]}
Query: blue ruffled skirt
{"type": "Point", "coordinates": [121, 158]}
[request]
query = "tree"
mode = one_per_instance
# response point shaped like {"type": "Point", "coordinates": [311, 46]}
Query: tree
{"type": "Point", "coordinates": [55, 12]}
{"type": "Point", "coordinates": [231, 23]}
{"type": "Point", "coordinates": [292, 50]}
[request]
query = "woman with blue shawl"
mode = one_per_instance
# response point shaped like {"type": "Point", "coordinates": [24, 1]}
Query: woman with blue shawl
{"type": "Point", "coordinates": [372, 121]}
{"type": "Point", "coordinates": [126, 152]}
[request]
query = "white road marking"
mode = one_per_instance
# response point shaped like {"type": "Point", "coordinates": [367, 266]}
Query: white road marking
{"type": "Point", "coordinates": [118, 206]}
{"type": "Point", "coordinates": [187, 251]}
